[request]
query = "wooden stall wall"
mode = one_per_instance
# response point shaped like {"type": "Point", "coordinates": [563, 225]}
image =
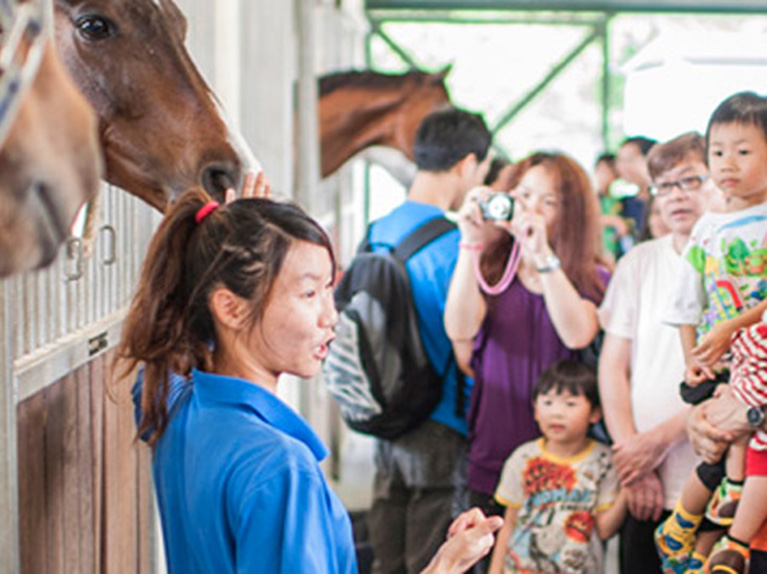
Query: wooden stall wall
{"type": "Point", "coordinates": [84, 483]}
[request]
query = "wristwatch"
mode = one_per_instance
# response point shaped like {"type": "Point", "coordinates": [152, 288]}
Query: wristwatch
{"type": "Point", "coordinates": [755, 417]}
{"type": "Point", "coordinates": [552, 263]}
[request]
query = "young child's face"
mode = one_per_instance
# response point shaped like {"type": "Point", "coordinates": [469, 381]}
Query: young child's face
{"type": "Point", "coordinates": [564, 417]}
{"type": "Point", "coordinates": [737, 159]}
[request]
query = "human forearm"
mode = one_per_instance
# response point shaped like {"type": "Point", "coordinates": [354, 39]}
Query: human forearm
{"type": "Point", "coordinates": [688, 336]}
{"type": "Point", "coordinates": [615, 387]}
{"type": "Point", "coordinates": [574, 318]}
{"type": "Point", "coordinates": [501, 540]}
{"type": "Point", "coordinates": [610, 520]}
{"type": "Point", "coordinates": [465, 308]}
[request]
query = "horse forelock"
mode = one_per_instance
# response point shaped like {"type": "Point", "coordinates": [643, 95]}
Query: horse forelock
{"type": "Point", "coordinates": [374, 80]}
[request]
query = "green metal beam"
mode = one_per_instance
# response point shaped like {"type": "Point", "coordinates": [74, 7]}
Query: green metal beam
{"type": "Point", "coordinates": [657, 6]}
{"type": "Point", "coordinates": [484, 18]}
{"type": "Point", "coordinates": [396, 48]}
{"type": "Point", "coordinates": [543, 84]}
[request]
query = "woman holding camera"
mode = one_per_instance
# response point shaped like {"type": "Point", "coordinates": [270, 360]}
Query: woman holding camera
{"type": "Point", "coordinates": [508, 327]}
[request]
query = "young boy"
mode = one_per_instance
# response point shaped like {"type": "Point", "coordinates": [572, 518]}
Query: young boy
{"type": "Point", "coordinates": [561, 490]}
{"type": "Point", "coordinates": [721, 289]}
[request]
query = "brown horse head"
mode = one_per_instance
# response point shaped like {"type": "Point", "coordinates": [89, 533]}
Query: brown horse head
{"type": "Point", "coordinates": [362, 109]}
{"type": "Point", "coordinates": [160, 125]}
{"type": "Point", "coordinates": [49, 166]}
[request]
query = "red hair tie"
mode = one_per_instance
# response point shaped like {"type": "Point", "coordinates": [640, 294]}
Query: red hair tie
{"type": "Point", "coordinates": [205, 211]}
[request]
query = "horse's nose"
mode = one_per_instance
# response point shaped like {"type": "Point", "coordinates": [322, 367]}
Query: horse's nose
{"type": "Point", "coordinates": [218, 177]}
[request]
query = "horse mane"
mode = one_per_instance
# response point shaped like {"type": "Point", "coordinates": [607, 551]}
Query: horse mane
{"type": "Point", "coordinates": [366, 79]}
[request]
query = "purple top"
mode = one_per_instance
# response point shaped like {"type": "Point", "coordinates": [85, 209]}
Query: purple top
{"type": "Point", "coordinates": [516, 343]}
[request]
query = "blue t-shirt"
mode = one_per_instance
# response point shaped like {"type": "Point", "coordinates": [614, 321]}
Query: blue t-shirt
{"type": "Point", "coordinates": [239, 486]}
{"type": "Point", "coordinates": [430, 271]}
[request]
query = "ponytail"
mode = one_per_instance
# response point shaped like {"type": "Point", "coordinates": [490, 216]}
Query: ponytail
{"type": "Point", "coordinates": [156, 331]}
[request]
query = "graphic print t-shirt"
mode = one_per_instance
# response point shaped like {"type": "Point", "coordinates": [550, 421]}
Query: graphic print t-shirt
{"type": "Point", "coordinates": [558, 500]}
{"type": "Point", "coordinates": [723, 268]}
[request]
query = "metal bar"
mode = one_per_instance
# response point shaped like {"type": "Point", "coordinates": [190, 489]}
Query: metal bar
{"type": "Point", "coordinates": [308, 131]}
{"type": "Point", "coordinates": [9, 502]}
{"type": "Point", "coordinates": [656, 6]}
{"type": "Point", "coordinates": [484, 18]}
{"type": "Point", "coordinates": [604, 30]}
{"type": "Point", "coordinates": [396, 48]}
{"type": "Point", "coordinates": [543, 84]}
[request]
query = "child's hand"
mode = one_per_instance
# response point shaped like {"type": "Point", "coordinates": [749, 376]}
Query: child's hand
{"type": "Point", "coordinates": [695, 375]}
{"type": "Point", "coordinates": [713, 346]}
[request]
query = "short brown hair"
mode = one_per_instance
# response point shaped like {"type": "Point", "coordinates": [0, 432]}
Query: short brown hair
{"type": "Point", "coordinates": [664, 156]}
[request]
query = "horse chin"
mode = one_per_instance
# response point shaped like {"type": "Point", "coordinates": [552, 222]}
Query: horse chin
{"type": "Point", "coordinates": [35, 225]}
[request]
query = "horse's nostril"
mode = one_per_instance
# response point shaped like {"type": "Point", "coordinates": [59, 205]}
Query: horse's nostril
{"type": "Point", "coordinates": [216, 179]}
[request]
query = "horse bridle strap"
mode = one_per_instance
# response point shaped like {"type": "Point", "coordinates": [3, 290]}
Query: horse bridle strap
{"type": "Point", "coordinates": [18, 67]}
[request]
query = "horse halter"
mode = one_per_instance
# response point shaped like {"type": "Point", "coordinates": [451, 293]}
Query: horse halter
{"type": "Point", "coordinates": [18, 22]}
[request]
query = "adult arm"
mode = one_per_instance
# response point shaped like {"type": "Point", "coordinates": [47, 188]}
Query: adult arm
{"type": "Point", "coordinates": [462, 351]}
{"type": "Point", "coordinates": [714, 424]}
{"type": "Point", "coordinates": [465, 307]}
{"type": "Point", "coordinates": [635, 453]}
{"type": "Point", "coordinates": [502, 540]}
{"type": "Point", "coordinates": [574, 317]}
{"type": "Point", "coordinates": [470, 538]}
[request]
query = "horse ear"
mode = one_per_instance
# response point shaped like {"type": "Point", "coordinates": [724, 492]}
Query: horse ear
{"type": "Point", "coordinates": [442, 74]}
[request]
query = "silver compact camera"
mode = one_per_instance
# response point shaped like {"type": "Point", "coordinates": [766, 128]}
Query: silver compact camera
{"type": "Point", "coordinates": [497, 207]}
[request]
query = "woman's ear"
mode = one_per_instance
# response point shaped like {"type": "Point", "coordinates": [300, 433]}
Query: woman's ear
{"type": "Point", "coordinates": [228, 309]}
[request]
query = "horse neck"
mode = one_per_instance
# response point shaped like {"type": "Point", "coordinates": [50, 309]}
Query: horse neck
{"type": "Point", "coordinates": [349, 125]}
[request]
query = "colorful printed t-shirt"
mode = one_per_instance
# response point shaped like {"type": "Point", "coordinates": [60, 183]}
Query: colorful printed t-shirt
{"type": "Point", "coordinates": [723, 268]}
{"type": "Point", "coordinates": [558, 500]}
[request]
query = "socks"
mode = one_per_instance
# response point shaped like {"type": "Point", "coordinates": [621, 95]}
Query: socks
{"type": "Point", "coordinates": [677, 534]}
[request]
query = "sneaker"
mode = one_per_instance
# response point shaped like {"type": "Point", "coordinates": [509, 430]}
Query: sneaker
{"type": "Point", "coordinates": [724, 503]}
{"type": "Point", "coordinates": [727, 561]}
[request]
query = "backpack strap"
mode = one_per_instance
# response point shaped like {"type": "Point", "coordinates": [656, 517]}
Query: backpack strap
{"type": "Point", "coordinates": [412, 244]}
{"type": "Point", "coordinates": [421, 237]}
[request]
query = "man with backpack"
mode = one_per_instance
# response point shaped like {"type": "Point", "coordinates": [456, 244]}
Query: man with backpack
{"type": "Point", "coordinates": [417, 473]}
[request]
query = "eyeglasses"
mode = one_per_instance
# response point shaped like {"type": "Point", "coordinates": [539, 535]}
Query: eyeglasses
{"type": "Point", "coordinates": [689, 183]}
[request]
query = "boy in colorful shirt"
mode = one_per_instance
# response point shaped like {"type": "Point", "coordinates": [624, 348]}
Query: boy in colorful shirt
{"type": "Point", "coordinates": [560, 491]}
{"type": "Point", "coordinates": [721, 289]}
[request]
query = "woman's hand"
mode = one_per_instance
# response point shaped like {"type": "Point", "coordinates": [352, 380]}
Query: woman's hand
{"type": "Point", "coordinates": [253, 186]}
{"type": "Point", "coordinates": [637, 456]}
{"type": "Point", "coordinates": [529, 228]}
{"type": "Point", "coordinates": [469, 539]}
{"type": "Point", "coordinates": [473, 226]}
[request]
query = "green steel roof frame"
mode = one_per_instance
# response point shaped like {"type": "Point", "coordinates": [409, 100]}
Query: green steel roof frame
{"type": "Point", "coordinates": [593, 14]}
{"type": "Point", "coordinates": [657, 6]}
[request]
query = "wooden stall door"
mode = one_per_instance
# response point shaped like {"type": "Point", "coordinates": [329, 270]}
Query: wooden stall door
{"type": "Point", "coordinates": [84, 482]}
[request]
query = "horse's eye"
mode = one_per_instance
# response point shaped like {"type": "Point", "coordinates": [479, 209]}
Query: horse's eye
{"type": "Point", "coordinates": [95, 27]}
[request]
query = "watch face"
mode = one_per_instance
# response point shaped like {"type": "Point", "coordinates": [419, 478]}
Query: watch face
{"type": "Point", "coordinates": [755, 416]}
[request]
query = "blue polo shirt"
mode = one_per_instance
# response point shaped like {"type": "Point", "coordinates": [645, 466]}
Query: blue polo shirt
{"type": "Point", "coordinates": [430, 271]}
{"type": "Point", "coordinates": [239, 486]}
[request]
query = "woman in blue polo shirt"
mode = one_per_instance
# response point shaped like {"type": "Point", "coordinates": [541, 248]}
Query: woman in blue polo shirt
{"type": "Point", "coordinates": [231, 297]}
